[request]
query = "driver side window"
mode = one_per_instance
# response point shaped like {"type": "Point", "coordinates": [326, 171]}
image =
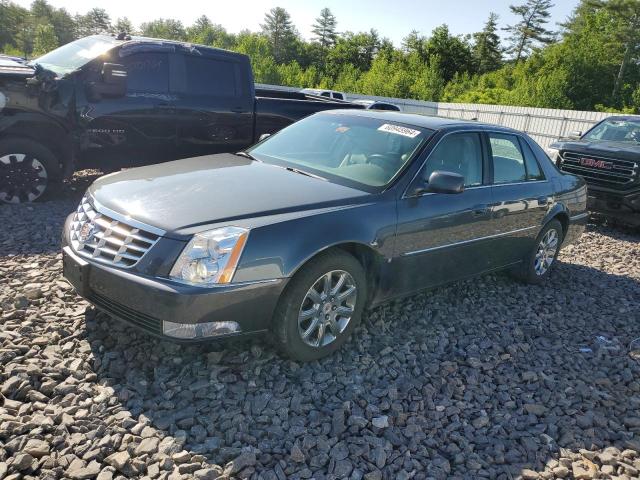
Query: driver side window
{"type": "Point", "coordinates": [459, 153]}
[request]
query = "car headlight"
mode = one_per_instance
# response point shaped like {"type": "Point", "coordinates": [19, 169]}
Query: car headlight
{"type": "Point", "coordinates": [553, 153]}
{"type": "Point", "coordinates": [211, 257]}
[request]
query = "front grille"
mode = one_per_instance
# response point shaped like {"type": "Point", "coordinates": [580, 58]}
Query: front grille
{"type": "Point", "coordinates": [606, 171]}
{"type": "Point", "coordinates": [107, 240]}
{"type": "Point", "coordinates": [129, 315]}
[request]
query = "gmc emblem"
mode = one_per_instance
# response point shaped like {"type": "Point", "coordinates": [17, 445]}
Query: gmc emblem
{"type": "Point", "coordinates": [592, 162]}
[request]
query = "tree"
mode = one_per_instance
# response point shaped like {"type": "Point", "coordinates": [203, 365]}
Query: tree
{"type": "Point", "coordinates": [123, 24]}
{"type": "Point", "coordinates": [324, 29]}
{"type": "Point", "coordinates": [487, 52]}
{"type": "Point", "coordinates": [277, 27]}
{"type": "Point", "coordinates": [95, 21]}
{"type": "Point", "coordinates": [530, 30]}
{"type": "Point", "coordinates": [44, 40]}
{"type": "Point", "coordinates": [414, 42]}
{"type": "Point", "coordinates": [169, 29]}
{"type": "Point", "coordinates": [454, 53]}
{"type": "Point", "coordinates": [626, 13]}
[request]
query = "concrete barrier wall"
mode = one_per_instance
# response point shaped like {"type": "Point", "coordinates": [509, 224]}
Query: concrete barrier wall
{"type": "Point", "coordinates": [544, 125]}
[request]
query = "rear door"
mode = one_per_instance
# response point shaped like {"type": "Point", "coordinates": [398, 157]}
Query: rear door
{"type": "Point", "coordinates": [522, 196]}
{"type": "Point", "coordinates": [214, 103]}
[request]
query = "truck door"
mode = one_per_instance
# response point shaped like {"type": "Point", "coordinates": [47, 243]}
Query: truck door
{"type": "Point", "coordinates": [137, 129]}
{"type": "Point", "coordinates": [214, 103]}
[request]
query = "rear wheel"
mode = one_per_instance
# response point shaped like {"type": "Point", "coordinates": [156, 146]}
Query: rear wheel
{"type": "Point", "coordinates": [321, 306]}
{"type": "Point", "coordinates": [542, 258]}
{"type": "Point", "coordinates": [28, 171]}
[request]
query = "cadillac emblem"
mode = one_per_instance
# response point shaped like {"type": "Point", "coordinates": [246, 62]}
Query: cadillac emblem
{"type": "Point", "coordinates": [86, 232]}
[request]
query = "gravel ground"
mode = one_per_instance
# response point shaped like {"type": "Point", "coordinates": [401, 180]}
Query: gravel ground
{"type": "Point", "coordinates": [481, 379]}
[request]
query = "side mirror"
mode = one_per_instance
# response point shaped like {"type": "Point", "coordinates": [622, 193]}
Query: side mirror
{"type": "Point", "coordinates": [113, 84]}
{"type": "Point", "coordinates": [445, 182]}
{"type": "Point", "coordinates": [576, 134]}
{"type": "Point", "coordinates": [263, 136]}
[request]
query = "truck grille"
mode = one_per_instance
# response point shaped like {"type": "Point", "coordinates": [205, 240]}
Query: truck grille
{"type": "Point", "coordinates": [599, 170]}
{"type": "Point", "coordinates": [104, 239]}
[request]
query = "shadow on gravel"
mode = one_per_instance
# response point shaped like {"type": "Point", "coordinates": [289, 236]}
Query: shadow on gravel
{"type": "Point", "coordinates": [35, 228]}
{"type": "Point", "coordinates": [481, 379]}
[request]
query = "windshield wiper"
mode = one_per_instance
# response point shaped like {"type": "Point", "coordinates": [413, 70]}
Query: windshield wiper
{"type": "Point", "coordinates": [247, 155]}
{"type": "Point", "coordinates": [302, 172]}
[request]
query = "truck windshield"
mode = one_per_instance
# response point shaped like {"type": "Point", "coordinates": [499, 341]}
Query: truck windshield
{"type": "Point", "coordinates": [352, 149]}
{"type": "Point", "coordinates": [74, 55]}
{"type": "Point", "coordinates": [616, 131]}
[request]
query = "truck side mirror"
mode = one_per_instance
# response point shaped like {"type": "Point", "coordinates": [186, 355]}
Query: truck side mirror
{"type": "Point", "coordinates": [113, 84]}
{"type": "Point", "coordinates": [576, 134]}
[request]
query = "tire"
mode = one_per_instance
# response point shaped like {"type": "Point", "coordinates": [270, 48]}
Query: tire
{"type": "Point", "coordinates": [540, 262]}
{"type": "Point", "coordinates": [337, 319]}
{"type": "Point", "coordinates": [28, 171]}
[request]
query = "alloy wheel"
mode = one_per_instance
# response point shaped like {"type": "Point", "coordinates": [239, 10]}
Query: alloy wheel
{"type": "Point", "coordinates": [546, 253]}
{"type": "Point", "coordinates": [327, 308]}
{"type": "Point", "coordinates": [23, 178]}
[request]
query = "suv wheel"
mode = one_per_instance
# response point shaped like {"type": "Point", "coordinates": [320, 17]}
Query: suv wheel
{"type": "Point", "coordinates": [27, 171]}
{"type": "Point", "coordinates": [321, 306]}
{"type": "Point", "coordinates": [542, 258]}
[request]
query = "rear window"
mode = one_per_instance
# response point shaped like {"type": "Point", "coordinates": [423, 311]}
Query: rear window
{"type": "Point", "coordinates": [208, 76]}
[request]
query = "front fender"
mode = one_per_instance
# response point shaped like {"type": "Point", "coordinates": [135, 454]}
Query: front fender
{"type": "Point", "coordinates": [278, 250]}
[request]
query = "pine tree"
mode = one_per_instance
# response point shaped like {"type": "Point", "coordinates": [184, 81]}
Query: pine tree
{"type": "Point", "coordinates": [123, 24]}
{"type": "Point", "coordinates": [280, 31]}
{"type": "Point", "coordinates": [324, 29]}
{"type": "Point", "coordinates": [530, 30]}
{"type": "Point", "coordinates": [44, 40]}
{"type": "Point", "coordinates": [487, 51]}
{"type": "Point", "coordinates": [627, 16]}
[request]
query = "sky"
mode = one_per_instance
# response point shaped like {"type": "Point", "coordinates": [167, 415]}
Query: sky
{"type": "Point", "coordinates": [392, 18]}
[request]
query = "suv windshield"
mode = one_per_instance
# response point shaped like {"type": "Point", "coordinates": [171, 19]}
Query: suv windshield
{"type": "Point", "coordinates": [366, 151]}
{"type": "Point", "coordinates": [74, 55]}
{"type": "Point", "coordinates": [616, 131]}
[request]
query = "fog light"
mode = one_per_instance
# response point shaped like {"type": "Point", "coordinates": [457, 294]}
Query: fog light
{"type": "Point", "coordinates": [198, 330]}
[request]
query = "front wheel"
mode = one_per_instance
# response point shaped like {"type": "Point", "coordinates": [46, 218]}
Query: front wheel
{"type": "Point", "coordinates": [321, 306]}
{"type": "Point", "coordinates": [28, 170]}
{"type": "Point", "coordinates": [542, 258]}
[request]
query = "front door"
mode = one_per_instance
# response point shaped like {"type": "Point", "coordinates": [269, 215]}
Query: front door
{"type": "Point", "coordinates": [136, 129]}
{"type": "Point", "coordinates": [441, 237]}
{"type": "Point", "coordinates": [522, 197]}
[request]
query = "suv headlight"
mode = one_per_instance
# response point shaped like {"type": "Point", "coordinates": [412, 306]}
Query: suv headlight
{"type": "Point", "coordinates": [553, 153]}
{"type": "Point", "coordinates": [210, 257]}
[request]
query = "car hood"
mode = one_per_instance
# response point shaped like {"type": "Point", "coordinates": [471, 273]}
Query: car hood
{"type": "Point", "coordinates": [622, 150]}
{"type": "Point", "coordinates": [13, 68]}
{"type": "Point", "coordinates": [211, 189]}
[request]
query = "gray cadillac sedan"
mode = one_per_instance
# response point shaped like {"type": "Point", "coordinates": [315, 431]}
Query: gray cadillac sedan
{"type": "Point", "coordinates": [298, 234]}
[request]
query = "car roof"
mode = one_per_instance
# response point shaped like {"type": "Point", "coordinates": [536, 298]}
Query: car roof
{"type": "Point", "coordinates": [423, 121]}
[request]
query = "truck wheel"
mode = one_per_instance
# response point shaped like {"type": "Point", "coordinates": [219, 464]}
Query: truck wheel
{"type": "Point", "coordinates": [320, 307]}
{"type": "Point", "coordinates": [28, 170]}
{"type": "Point", "coordinates": [542, 258]}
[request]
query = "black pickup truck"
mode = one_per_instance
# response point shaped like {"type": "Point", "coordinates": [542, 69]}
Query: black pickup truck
{"type": "Point", "coordinates": [112, 102]}
{"type": "Point", "coordinates": [608, 158]}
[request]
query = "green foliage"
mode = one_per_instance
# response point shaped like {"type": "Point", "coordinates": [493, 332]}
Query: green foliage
{"type": "Point", "coordinates": [44, 40]}
{"type": "Point", "coordinates": [593, 63]}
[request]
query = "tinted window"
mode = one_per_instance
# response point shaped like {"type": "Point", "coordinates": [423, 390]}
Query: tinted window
{"type": "Point", "coordinates": [533, 168]}
{"type": "Point", "coordinates": [325, 94]}
{"type": "Point", "coordinates": [207, 76]}
{"type": "Point", "coordinates": [508, 163]}
{"type": "Point", "coordinates": [147, 72]}
{"type": "Point", "coordinates": [460, 153]}
{"type": "Point", "coordinates": [338, 96]}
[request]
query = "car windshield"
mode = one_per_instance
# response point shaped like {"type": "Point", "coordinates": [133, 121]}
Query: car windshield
{"type": "Point", "coordinates": [74, 55]}
{"type": "Point", "coordinates": [366, 151]}
{"type": "Point", "coordinates": [616, 131]}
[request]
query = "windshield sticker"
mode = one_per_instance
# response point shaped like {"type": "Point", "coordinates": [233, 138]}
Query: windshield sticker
{"type": "Point", "coordinates": [397, 129]}
{"type": "Point", "coordinates": [342, 129]}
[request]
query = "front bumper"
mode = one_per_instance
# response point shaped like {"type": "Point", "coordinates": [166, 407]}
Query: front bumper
{"type": "Point", "coordinates": [146, 302]}
{"type": "Point", "coordinates": [610, 202]}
